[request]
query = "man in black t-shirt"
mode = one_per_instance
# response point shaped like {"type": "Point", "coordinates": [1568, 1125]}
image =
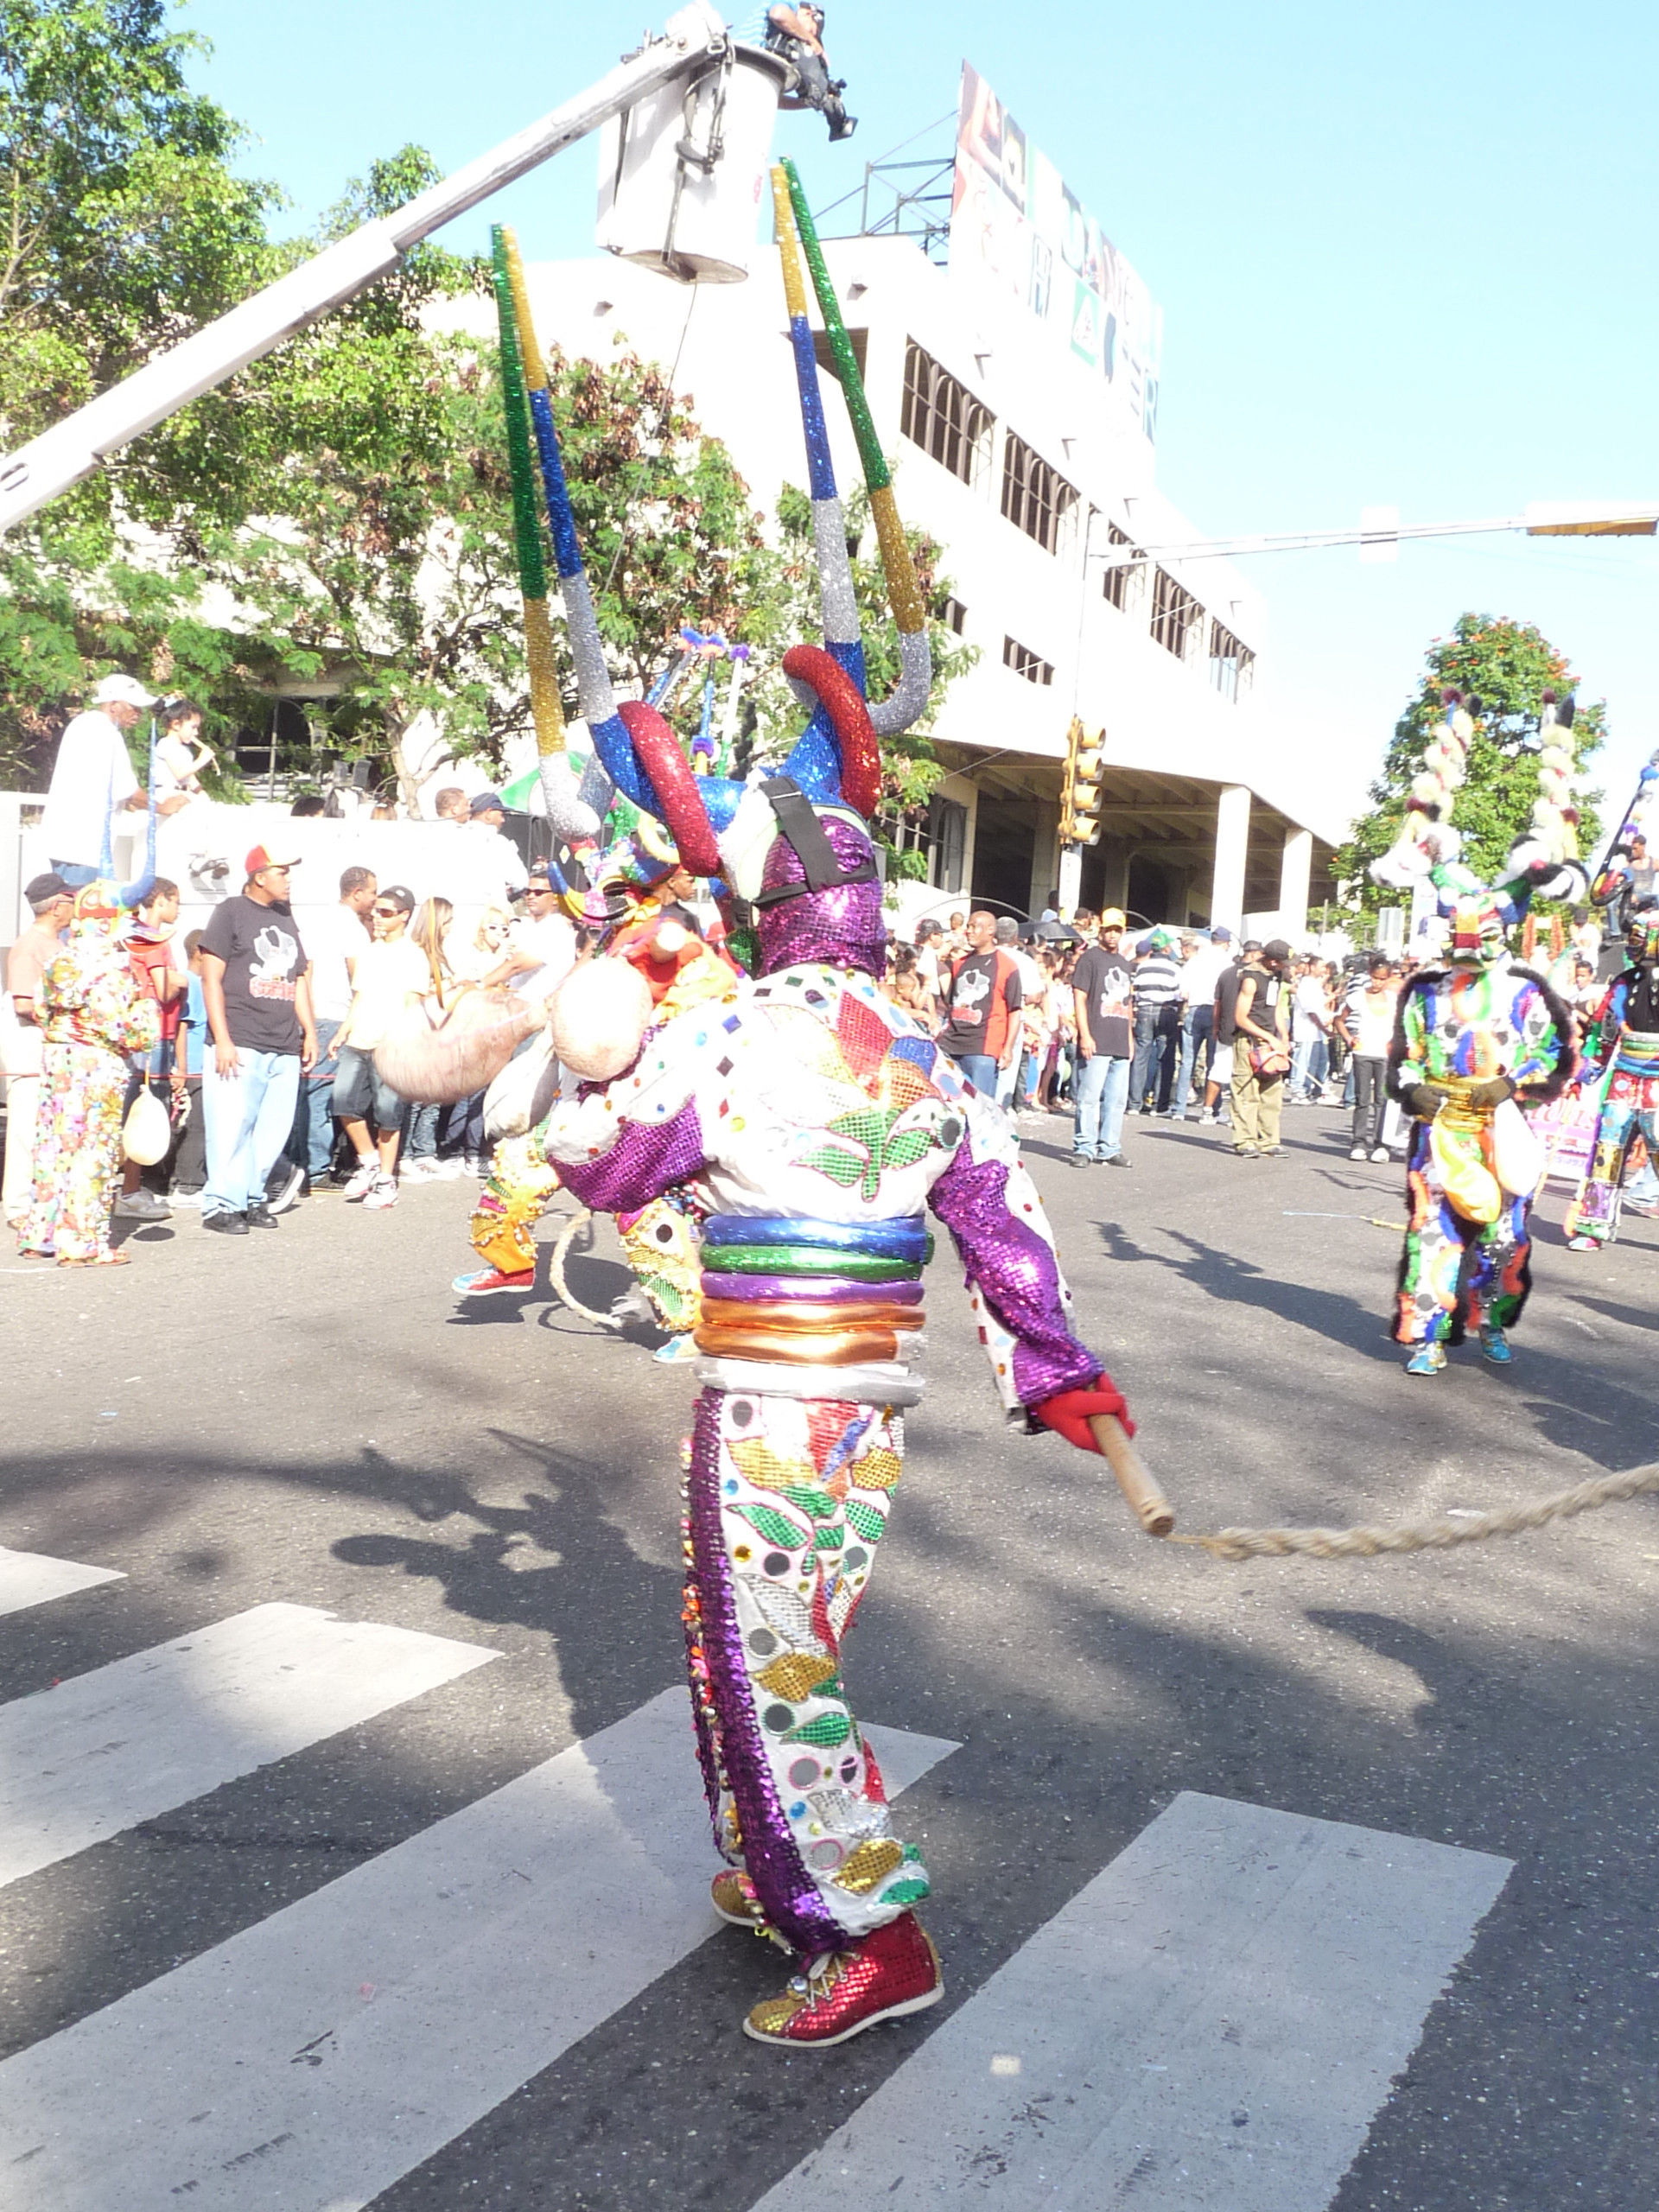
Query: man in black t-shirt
{"type": "Point", "coordinates": [1103, 985]}
{"type": "Point", "coordinates": [256, 985]}
{"type": "Point", "coordinates": [981, 1000]}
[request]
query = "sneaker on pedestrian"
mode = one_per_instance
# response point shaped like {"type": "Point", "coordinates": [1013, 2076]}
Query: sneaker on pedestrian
{"type": "Point", "coordinates": [1208, 1119]}
{"type": "Point", "coordinates": [1358, 1152]}
{"type": "Point", "coordinates": [1381, 1153]}
{"type": "Point", "coordinates": [1269, 1151]}
{"type": "Point", "coordinates": [363, 1180]}
{"type": "Point", "coordinates": [485, 1282]}
{"type": "Point", "coordinates": [1428, 1359]}
{"type": "Point", "coordinates": [1245, 1152]}
{"type": "Point", "coordinates": [1082, 1160]}
{"type": "Point", "coordinates": [1494, 1344]}
{"type": "Point", "coordinates": [284, 1186]}
{"type": "Point", "coordinates": [450, 1169]}
{"type": "Point", "coordinates": [225, 1225]}
{"type": "Point", "coordinates": [1114, 1159]}
{"type": "Point", "coordinates": [177, 1198]}
{"type": "Point", "coordinates": [141, 1205]}
{"type": "Point", "coordinates": [477, 1163]}
{"type": "Point", "coordinates": [381, 1194]}
{"type": "Point", "coordinates": [262, 1217]}
{"type": "Point", "coordinates": [423, 1168]}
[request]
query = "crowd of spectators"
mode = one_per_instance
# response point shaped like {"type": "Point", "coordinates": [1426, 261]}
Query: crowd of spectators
{"type": "Point", "coordinates": [266, 1028]}
{"type": "Point", "coordinates": [1091, 1020]}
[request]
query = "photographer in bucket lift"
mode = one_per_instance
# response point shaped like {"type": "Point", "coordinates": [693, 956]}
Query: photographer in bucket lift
{"type": "Point", "coordinates": [797, 34]}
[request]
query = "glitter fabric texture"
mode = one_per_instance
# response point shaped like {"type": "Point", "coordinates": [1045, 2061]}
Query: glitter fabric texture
{"type": "Point", "coordinates": [891, 1972]}
{"type": "Point", "coordinates": [843, 928]}
{"type": "Point", "coordinates": [832, 1289]}
{"type": "Point", "coordinates": [645, 1160]}
{"type": "Point", "coordinates": [788, 1499]}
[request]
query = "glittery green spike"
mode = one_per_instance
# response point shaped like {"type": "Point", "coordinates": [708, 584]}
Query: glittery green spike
{"type": "Point", "coordinates": [828, 1730]}
{"type": "Point", "coordinates": [870, 1524]}
{"type": "Point", "coordinates": [526, 514]}
{"type": "Point", "coordinates": [767, 1523]}
{"type": "Point", "coordinates": [877, 475]}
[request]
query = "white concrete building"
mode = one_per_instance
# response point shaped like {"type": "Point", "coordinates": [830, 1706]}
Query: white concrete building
{"type": "Point", "coordinates": [1004, 452]}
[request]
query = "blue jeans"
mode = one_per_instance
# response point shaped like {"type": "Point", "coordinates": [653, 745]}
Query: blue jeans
{"type": "Point", "coordinates": [1196, 1030]}
{"type": "Point", "coordinates": [311, 1142]}
{"type": "Point", "coordinates": [1157, 1039]}
{"type": "Point", "coordinates": [1100, 1090]}
{"type": "Point", "coordinates": [980, 1069]}
{"type": "Point", "coordinates": [248, 1116]}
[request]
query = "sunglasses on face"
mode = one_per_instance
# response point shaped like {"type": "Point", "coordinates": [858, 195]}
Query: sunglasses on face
{"type": "Point", "coordinates": [388, 913]}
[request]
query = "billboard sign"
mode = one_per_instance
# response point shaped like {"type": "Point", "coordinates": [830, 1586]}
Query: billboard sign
{"type": "Point", "coordinates": [1017, 231]}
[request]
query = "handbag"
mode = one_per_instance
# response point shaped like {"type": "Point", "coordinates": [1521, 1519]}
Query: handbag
{"type": "Point", "coordinates": [147, 1133]}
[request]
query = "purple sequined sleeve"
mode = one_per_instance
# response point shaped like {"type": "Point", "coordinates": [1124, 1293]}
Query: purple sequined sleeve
{"type": "Point", "coordinates": [643, 1160]}
{"type": "Point", "coordinates": [1014, 1268]}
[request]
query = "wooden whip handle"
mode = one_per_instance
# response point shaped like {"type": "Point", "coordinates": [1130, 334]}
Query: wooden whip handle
{"type": "Point", "coordinates": [1152, 1509]}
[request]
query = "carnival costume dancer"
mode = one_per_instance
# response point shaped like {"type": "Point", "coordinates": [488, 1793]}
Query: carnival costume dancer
{"type": "Point", "coordinates": [807, 1121]}
{"type": "Point", "coordinates": [1626, 1052]}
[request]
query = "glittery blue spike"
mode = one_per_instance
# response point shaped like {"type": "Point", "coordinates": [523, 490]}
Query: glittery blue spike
{"type": "Point", "coordinates": [614, 748]}
{"type": "Point", "coordinates": [820, 471]}
{"type": "Point", "coordinates": [851, 658]}
{"type": "Point", "coordinates": [721, 795]}
{"type": "Point", "coordinates": [566, 551]}
{"type": "Point", "coordinates": [814, 761]}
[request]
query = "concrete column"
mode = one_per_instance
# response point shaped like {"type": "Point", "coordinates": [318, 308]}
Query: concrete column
{"type": "Point", "coordinates": [1295, 869]}
{"type": "Point", "coordinates": [1070, 878]}
{"type": "Point", "coordinates": [1232, 851]}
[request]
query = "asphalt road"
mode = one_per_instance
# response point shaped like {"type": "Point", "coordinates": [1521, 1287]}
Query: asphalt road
{"type": "Point", "coordinates": [306, 1417]}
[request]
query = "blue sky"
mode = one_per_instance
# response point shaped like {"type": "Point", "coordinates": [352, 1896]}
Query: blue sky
{"type": "Point", "coordinates": [1405, 256]}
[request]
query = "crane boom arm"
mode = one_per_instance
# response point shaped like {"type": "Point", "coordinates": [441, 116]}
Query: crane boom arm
{"type": "Point", "coordinates": [72, 449]}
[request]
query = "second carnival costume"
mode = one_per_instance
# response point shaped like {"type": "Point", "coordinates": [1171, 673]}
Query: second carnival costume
{"type": "Point", "coordinates": [1475, 1041]}
{"type": "Point", "coordinates": [1625, 1051]}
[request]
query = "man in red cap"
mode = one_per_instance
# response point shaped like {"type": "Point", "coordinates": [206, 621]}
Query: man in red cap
{"type": "Point", "coordinates": [256, 982]}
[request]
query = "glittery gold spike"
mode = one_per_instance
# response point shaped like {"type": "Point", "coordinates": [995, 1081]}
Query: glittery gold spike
{"type": "Point", "coordinates": [870, 1864]}
{"type": "Point", "coordinates": [797, 1674]}
{"type": "Point", "coordinates": [877, 1470]}
{"type": "Point", "coordinates": [757, 1463]}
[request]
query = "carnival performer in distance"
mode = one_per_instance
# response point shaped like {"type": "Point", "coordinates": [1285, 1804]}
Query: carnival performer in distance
{"type": "Point", "coordinates": [1474, 1042]}
{"type": "Point", "coordinates": [1622, 1058]}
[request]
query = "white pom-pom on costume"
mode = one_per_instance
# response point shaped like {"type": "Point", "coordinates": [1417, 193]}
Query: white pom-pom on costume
{"type": "Point", "coordinates": [745, 844]}
{"type": "Point", "coordinates": [598, 1018]}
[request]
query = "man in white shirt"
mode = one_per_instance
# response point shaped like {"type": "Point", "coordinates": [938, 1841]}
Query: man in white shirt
{"type": "Point", "coordinates": [336, 941]}
{"type": "Point", "coordinates": [1200, 973]}
{"type": "Point", "coordinates": [486, 818]}
{"type": "Point", "coordinates": [543, 949]}
{"type": "Point", "coordinates": [92, 780]}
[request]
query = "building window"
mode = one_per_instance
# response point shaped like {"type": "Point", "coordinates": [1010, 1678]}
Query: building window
{"type": "Point", "coordinates": [1231, 662]}
{"type": "Point", "coordinates": [1175, 611]}
{"type": "Point", "coordinates": [954, 616]}
{"type": "Point", "coordinates": [943, 418]}
{"type": "Point", "coordinates": [947, 837]}
{"type": "Point", "coordinates": [1036, 498]}
{"type": "Point", "coordinates": [1021, 659]}
{"type": "Point", "coordinates": [1118, 582]}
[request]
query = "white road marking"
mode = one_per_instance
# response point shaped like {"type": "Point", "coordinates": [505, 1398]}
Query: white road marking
{"type": "Point", "coordinates": [32, 1579]}
{"type": "Point", "coordinates": [104, 1751]}
{"type": "Point", "coordinates": [1211, 2023]}
{"type": "Point", "coordinates": [307, 2063]}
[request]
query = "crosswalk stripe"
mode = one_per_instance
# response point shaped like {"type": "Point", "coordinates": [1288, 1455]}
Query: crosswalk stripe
{"type": "Point", "coordinates": [309, 2062]}
{"type": "Point", "coordinates": [32, 1579]}
{"type": "Point", "coordinates": [96, 1754]}
{"type": "Point", "coordinates": [1213, 2020]}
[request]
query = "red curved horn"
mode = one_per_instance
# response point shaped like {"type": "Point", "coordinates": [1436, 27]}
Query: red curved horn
{"type": "Point", "coordinates": [680, 802]}
{"type": "Point", "coordinates": [849, 717]}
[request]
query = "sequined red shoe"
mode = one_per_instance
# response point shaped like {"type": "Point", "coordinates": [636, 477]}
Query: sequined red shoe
{"type": "Point", "coordinates": [732, 1894]}
{"type": "Point", "coordinates": [892, 1972]}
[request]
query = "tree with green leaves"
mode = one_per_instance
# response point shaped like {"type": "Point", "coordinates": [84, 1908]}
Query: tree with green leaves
{"type": "Point", "coordinates": [1509, 666]}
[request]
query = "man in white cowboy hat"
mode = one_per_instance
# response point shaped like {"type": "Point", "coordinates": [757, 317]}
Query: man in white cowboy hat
{"type": "Point", "coordinates": [93, 776]}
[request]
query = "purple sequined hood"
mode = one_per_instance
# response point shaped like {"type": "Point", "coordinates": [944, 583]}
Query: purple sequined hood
{"type": "Point", "coordinates": [842, 928]}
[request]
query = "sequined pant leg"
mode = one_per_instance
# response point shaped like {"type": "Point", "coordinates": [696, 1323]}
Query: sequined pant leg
{"type": "Point", "coordinates": [1595, 1208]}
{"type": "Point", "coordinates": [510, 1205]}
{"type": "Point", "coordinates": [1427, 1309]}
{"type": "Point", "coordinates": [1498, 1277]}
{"type": "Point", "coordinates": [786, 1501]}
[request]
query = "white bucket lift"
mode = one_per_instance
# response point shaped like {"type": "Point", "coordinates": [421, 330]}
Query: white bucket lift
{"type": "Point", "coordinates": [682, 176]}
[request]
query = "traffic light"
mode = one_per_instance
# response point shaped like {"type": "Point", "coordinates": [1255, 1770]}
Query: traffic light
{"type": "Point", "coordinates": [1080, 795]}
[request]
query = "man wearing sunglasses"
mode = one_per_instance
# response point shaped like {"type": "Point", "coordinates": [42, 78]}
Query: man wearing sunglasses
{"type": "Point", "coordinates": [256, 985]}
{"type": "Point", "coordinates": [389, 975]}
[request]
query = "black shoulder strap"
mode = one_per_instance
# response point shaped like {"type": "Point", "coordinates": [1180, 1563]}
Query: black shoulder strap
{"type": "Point", "coordinates": [805, 833]}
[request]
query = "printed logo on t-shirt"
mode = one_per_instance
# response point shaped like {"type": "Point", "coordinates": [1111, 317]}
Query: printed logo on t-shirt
{"type": "Point", "coordinates": [274, 955]}
{"type": "Point", "coordinates": [973, 986]}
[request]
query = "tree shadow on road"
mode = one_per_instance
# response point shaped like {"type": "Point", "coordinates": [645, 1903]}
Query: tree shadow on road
{"type": "Point", "coordinates": [1242, 1282]}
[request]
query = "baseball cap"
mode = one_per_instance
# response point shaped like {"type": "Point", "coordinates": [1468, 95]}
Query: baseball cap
{"type": "Point", "coordinates": [260, 859]}
{"type": "Point", "coordinates": [1113, 919]}
{"type": "Point", "coordinates": [396, 895]}
{"type": "Point", "coordinates": [1221, 934]}
{"type": "Point", "coordinates": [40, 888]}
{"type": "Point", "coordinates": [1277, 947]}
{"type": "Point", "coordinates": [486, 802]}
{"type": "Point", "coordinates": [122, 692]}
